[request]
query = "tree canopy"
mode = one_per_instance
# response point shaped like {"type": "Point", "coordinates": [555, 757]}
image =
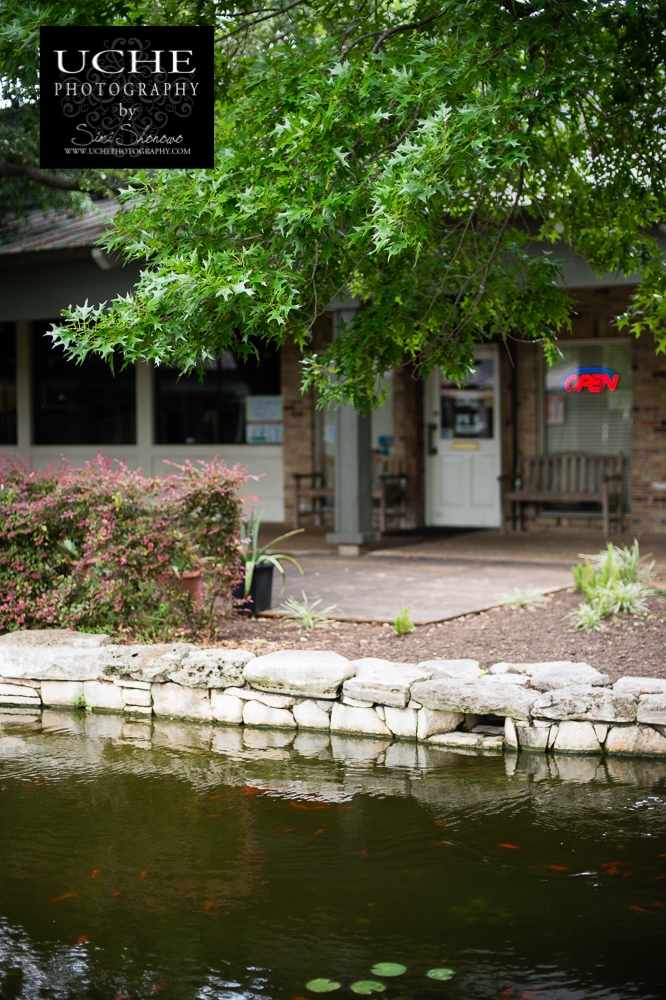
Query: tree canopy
{"type": "Point", "coordinates": [422, 155]}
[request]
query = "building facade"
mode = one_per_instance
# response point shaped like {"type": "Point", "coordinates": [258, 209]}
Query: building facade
{"type": "Point", "coordinates": [448, 445]}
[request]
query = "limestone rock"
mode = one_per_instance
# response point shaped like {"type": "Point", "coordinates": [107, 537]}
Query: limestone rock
{"type": "Point", "coordinates": [324, 705]}
{"type": "Point", "coordinates": [640, 740]}
{"type": "Point", "coordinates": [302, 672]}
{"type": "Point", "coordinates": [187, 703]}
{"type": "Point", "coordinates": [521, 679]}
{"type": "Point", "coordinates": [211, 668]}
{"type": "Point", "coordinates": [138, 709]}
{"type": "Point", "coordinates": [430, 722]}
{"type": "Point", "coordinates": [19, 694]}
{"type": "Point", "coordinates": [136, 697]}
{"type": "Point", "coordinates": [586, 702]}
{"type": "Point", "coordinates": [357, 720]}
{"type": "Point", "coordinates": [567, 675]}
{"type": "Point", "coordinates": [383, 682]}
{"type": "Point", "coordinates": [510, 734]}
{"type": "Point", "coordinates": [533, 668]}
{"type": "Point", "coordinates": [533, 738]}
{"type": "Point", "coordinates": [576, 737]}
{"type": "Point", "coordinates": [640, 685]}
{"type": "Point", "coordinates": [51, 662]}
{"type": "Point", "coordinates": [356, 702]}
{"type": "Point", "coordinates": [257, 714]}
{"type": "Point", "coordinates": [154, 664]}
{"type": "Point", "coordinates": [460, 669]}
{"type": "Point", "coordinates": [272, 700]}
{"type": "Point", "coordinates": [226, 707]}
{"type": "Point", "coordinates": [54, 637]}
{"type": "Point", "coordinates": [402, 722]}
{"type": "Point", "coordinates": [309, 715]}
{"type": "Point", "coordinates": [468, 741]}
{"type": "Point", "coordinates": [652, 708]}
{"type": "Point", "coordinates": [102, 694]}
{"type": "Point", "coordinates": [61, 692]}
{"type": "Point", "coordinates": [475, 697]}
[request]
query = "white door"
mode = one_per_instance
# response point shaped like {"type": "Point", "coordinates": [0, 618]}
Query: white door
{"type": "Point", "coordinates": [463, 447]}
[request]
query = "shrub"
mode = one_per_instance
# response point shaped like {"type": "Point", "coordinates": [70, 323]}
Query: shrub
{"type": "Point", "coordinates": [103, 548]}
{"type": "Point", "coordinates": [613, 580]}
{"type": "Point", "coordinates": [403, 624]}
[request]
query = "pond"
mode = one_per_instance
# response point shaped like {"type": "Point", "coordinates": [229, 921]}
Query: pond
{"type": "Point", "coordinates": [158, 858]}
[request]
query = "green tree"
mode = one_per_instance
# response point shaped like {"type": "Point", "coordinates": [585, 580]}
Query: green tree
{"type": "Point", "coordinates": [422, 155]}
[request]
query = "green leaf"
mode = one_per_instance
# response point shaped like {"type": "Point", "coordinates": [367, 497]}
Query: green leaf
{"type": "Point", "coordinates": [364, 987]}
{"type": "Point", "coordinates": [441, 975]}
{"type": "Point", "coordinates": [388, 969]}
{"type": "Point", "coordinates": [322, 985]}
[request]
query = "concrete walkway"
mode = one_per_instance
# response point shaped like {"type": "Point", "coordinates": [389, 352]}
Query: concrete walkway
{"type": "Point", "coordinates": [438, 575]}
{"type": "Point", "coordinates": [376, 588]}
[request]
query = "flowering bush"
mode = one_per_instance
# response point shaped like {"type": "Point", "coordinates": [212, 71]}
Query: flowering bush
{"type": "Point", "coordinates": [104, 548]}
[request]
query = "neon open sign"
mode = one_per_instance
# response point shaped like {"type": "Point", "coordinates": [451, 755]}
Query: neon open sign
{"type": "Point", "coordinates": [592, 379]}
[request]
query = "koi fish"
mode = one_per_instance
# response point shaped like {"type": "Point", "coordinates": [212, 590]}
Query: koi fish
{"type": "Point", "coordinates": [628, 874]}
{"type": "Point", "coordinates": [288, 829]}
{"type": "Point", "coordinates": [213, 815]}
{"type": "Point", "coordinates": [508, 992]}
{"type": "Point", "coordinates": [364, 854]}
{"type": "Point", "coordinates": [613, 867]}
{"type": "Point", "coordinates": [251, 790]}
{"type": "Point", "coordinates": [298, 805]}
{"type": "Point", "coordinates": [509, 847]}
{"type": "Point", "coordinates": [142, 874]}
{"type": "Point", "coordinates": [448, 843]}
{"type": "Point", "coordinates": [317, 832]}
{"type": "Point", "coordinates": [157, 988]}
{"type": "Point", "coordinates": [82, 939]}
{"type": "Point", "coordinates": [114, 895]}
{"type": "Point", "coordinates": [65, 895]}
{"type": "Point", "coordinates": [321, 805]}
{"type": "Point", "coordinates": [66, 810]}
{"type": "Point", "coordinates": [440, 822]}
{"type": "Point", "coordinates": [659, 905]}
{"type": "Point", "coordinates": [346, 807]}
{"type": "Point", "coordinates": [556, 868]}
{"type": "Point", "coordinates": [95, 873]}
{"type": "Point", "coordinates": [639, 909]}
{"type": "Point", "coordinates": [208, 907]}
{"type": "Point", "coordinates": [222, 795]}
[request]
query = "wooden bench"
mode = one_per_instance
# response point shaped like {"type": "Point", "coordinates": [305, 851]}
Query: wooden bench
{"type": "Point", "coordinates": [570, 477]}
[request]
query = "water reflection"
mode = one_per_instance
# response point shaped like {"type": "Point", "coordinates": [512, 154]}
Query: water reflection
{"type": "Point", "coordinates": [148, 857]}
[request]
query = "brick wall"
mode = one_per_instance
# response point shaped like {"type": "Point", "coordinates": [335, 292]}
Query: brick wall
{"type": "Point", "coordinates": [407, 402]}
{"type": "Point", "coordinates": [648, 459]}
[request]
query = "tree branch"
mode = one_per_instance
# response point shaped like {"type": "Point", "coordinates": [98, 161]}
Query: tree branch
{"type": "Point", "coordinates": [40, 176]}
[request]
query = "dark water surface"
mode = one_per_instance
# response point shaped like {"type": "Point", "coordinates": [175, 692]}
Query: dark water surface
{"type": "Point", "coordinates": [184, 861]}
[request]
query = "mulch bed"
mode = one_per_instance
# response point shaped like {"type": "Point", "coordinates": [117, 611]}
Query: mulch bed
{"type": "Point", "coordinates": [628, 644]}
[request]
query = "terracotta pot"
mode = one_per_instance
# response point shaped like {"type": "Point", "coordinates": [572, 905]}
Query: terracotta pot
{"type": "Point", "coordinates": [190, 581]}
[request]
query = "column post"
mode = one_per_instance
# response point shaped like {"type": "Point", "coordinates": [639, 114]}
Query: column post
{"type": "Point", "coordinates": [353, 467]}
{"type": "Point", "coordinates": [23, 389]}
{"type": "Point", "coordinates": [145, 417]}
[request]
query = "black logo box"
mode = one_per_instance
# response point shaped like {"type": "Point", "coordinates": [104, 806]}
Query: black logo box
{"type": "Point", "coordinates": [126, 97]}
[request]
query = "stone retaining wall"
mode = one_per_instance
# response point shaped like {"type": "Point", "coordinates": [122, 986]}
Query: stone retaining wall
{"type": "Point", "coordinates": [562, 707]}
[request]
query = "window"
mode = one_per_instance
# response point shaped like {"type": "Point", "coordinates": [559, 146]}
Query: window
{"type": "Point", "coordinates": [236, 402]}
{"type": "Point", "coordinates": [80, 404]}
{"type": "Point", "coordinates": [7, 383]}
{"type": "Point", "coordinates": [467, 411]}
{"type": "Point", "coordinates": [589, 399]}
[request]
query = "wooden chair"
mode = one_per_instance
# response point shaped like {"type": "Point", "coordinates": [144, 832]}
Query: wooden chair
{"type": "Point", "coordinates": [389, 489]}
{"type": "Point", "coordinates": [565, 478]}
{"type": "Point", "coordinates": [312, 490]}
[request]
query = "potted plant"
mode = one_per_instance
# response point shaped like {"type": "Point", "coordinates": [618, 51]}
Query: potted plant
{"type": "Point", "coordinates": [259, 563]}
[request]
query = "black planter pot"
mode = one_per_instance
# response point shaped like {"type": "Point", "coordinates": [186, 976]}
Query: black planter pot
{"type": "Point", "coordinates": [259, 598]}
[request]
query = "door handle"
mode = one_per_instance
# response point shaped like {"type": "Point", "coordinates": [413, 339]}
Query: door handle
{"type": "Point", "coordinates": [432, 448]}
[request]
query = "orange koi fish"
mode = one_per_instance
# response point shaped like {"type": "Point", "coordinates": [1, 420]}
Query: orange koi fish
{"type": "Point", "coordinates": [298, 805]}
{"type": "Point", "coordinates": [448, 843]}
{"type": "Point", "coordinates": [114, 895]}
{"type": "Point", "coordinates": [82, 939]}
{"type": "Point", "coordinates": [557, 868]}
{"type": "Point", "coordinates": [222, 795]}
{"type": "Point", "coordinates": [659, 905]}
{"type": "Point", "coordinates": [440, 822]}
{"type": "Point", "coordinates": [251, 790]}
{"type": "Point", "coordinates": [65, 895]}
{"type": "Point", "coordinates": [95, 873]}
{"type": "Point", "coordinates": [208, 907]}
{"type": "Point", "coordinates": [639, 909]}
{"type": "Point", "coordinates": [288, 829]}
{"type": "Point", "coordinates": [142, 874]}
{"type": "Point", "coordinates": [212, 815]}
{"type": "Point", "coordinates": [364, 854]}
{"type": "Point", "coordinates": [509, 847]}
{"type": "Point", "coordinates": [317, 832]}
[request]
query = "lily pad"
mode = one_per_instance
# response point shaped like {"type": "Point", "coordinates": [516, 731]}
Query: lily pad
{"type": "Point", "coordinates": [366, 986]}
{"type": "Point", "coordinates": [322, 985]}
{"type": "Point", "coordinates": [388, 969]}
{"type": "Point", "coordinates": [440, 974]}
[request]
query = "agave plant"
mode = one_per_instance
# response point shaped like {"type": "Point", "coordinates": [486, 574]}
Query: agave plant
{"type": "Point", "coordinates": [307, 614]}
{"type": "Point", "coordinates": [254, 555]}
